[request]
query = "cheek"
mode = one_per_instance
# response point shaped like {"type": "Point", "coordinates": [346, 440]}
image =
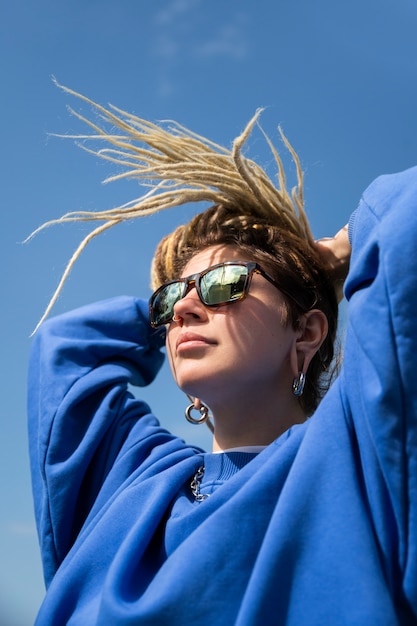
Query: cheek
{"type": "Point", "coordinates": [266, 336]}
{"type": "Point", "coordinates": [261, 324]}
{"type": "Point", "coordinates": [170, 350]}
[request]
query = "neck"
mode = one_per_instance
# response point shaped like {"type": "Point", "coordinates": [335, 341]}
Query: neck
{"type": "Point", "coordinates": [254, 423]}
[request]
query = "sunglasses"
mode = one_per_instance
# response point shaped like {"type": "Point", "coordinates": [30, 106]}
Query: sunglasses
{"type": "Point", "coordinates": [220, 284]}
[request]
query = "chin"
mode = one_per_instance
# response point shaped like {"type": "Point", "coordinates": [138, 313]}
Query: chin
{"type": "Point", "coordinates": [199, 388]}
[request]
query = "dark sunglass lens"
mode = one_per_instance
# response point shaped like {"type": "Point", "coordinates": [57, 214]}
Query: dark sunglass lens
{"type": "Point", "coordinates": [164, 301]}
{"type": "Point", "coordinates": [223, 284]}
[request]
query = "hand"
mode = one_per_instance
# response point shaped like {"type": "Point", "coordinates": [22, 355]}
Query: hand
{"type": "Point", "coordinates": [335, 251]}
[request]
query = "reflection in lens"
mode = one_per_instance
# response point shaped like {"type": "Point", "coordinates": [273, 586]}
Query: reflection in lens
{"type": "Point", "coordinates": [166, 299]}
{"type": "Point", "coordinates": [223, 284]}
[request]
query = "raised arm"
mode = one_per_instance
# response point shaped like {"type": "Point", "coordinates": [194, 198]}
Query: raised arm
{"type": "Point", "coordinates": [81, 413]}
{"type": "Point", "coordinates": [380, 363]}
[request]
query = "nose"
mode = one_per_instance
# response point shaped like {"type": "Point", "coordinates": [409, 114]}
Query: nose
{"type": "Point", "coordinates": [190, 308]}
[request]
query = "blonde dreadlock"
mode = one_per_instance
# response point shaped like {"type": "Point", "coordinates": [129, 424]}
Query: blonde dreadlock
{"type": "Point", "coordinates": [182, 167]}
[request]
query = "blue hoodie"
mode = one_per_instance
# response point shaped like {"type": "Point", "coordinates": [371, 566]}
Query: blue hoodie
{"type": "Point", "coordinates": [320, 528]}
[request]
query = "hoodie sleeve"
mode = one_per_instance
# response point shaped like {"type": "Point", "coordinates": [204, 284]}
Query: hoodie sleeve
{"type": "Point", "coordinates": [380, 363]}
{"type": "Point", "coordinates": [83, 420]}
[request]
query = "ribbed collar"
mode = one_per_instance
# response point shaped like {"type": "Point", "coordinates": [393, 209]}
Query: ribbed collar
{"type": "Point", "coordinates": [220, 466]}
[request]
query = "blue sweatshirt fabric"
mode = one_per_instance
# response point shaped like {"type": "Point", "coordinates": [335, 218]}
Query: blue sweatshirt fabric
{"type": "Point", "coordinates": [319, 528]}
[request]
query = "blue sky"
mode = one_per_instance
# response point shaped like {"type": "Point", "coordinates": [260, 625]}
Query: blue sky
{"type": "Point", "coordinates": [341, 78]}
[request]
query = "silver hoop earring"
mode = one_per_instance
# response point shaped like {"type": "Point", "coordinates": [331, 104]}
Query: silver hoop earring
{"type": "Point", "coordinates": [203, 410]}
{"type": "Point", "coordinates": [298, 384]}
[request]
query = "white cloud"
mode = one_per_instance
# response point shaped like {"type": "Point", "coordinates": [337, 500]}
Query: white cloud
{"type": "Point", "coordinates": [167, 15]}
{"type": "Point", "coordinates": [185, 32]}
{"type": "Point", "coordinates": [228, 42]}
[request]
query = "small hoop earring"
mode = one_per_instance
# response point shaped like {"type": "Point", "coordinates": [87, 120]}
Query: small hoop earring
{"type": "Point", "coordinates": [298, 384]}
{"type": "Point", "coordinates": [204, 413]}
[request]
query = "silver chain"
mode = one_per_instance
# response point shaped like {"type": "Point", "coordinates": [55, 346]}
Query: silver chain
{"type": "Point", "coordinates": [195, 485]}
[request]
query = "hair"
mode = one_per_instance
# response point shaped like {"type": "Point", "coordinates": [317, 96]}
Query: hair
{"type": "Point", "coordinates": [178, 166]}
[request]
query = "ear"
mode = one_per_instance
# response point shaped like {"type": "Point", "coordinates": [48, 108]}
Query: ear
{"type": "Point", "coordinates": [313, 328]}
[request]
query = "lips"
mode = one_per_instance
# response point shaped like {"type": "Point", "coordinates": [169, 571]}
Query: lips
{"type": "Point", "coordinates": [189, 338]}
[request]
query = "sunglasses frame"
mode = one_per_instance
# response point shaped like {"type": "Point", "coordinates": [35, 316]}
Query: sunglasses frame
{"type": "Point", "coordinates": [194, 280]}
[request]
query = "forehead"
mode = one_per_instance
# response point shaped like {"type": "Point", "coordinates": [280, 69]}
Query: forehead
{"type": "Point", "coordinates": [211, 256]}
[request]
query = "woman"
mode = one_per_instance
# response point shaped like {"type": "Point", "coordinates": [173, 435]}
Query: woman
{"type": "Point", "coordinates": [292, 520]}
